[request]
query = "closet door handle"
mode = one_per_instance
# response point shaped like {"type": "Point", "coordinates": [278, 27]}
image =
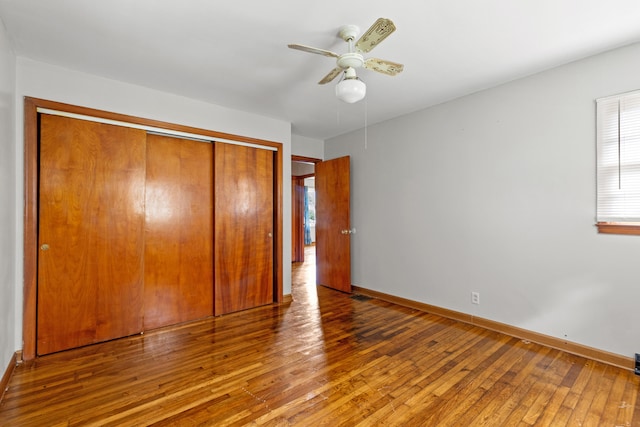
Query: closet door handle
{"type": "Point", "coordinates": [44, 247]}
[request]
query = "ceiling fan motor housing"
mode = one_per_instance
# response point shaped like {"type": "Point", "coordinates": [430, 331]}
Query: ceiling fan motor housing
{"type": "Point", "coordinates": [350, 60]}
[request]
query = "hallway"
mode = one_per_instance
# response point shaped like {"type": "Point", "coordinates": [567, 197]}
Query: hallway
{"type": "Point", "coordinates": [304, 273]}
{"type": "Point", "coordinates": [303, 277]}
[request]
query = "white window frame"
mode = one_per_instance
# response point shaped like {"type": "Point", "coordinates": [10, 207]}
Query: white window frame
{"type": "Point", "coordinates": [618, 163]}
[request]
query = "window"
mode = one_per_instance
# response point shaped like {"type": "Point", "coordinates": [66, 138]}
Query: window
{"type": "Point", "coordinates": [618, 162]}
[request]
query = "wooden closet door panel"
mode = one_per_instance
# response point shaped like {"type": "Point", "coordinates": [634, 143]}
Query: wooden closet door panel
{"type": "Point", "coordinates": [178, 231]}
{"type": "Point", "coordinates": [243, 179]}
{"type": "Point", "coordinates": [91, 217]}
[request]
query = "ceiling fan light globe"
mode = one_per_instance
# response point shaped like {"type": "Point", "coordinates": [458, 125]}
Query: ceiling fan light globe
{"type": "Point", "coordinates": [351, 90]}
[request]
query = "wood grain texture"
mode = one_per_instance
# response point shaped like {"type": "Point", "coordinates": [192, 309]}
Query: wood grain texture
{"type": "Point", "coordinates": [178, 257]}
{"type": "Point", "coordinates": [31, 131]}
{"type": "Point", "coordinates": [30, 254]}
{"type": "Point", "coordinates": [618, 228]}
{"type": "Point", "coordinates": [90, 280]}
{"type": "Point", "coordinates": [325, 359]}
{"type": "Point", "coordinates": [278, 205]}
{"type": "Point", "coordinates": [333, 247]}
{"type": "Point", "coordinates": [560, 344]}
{"type": "Point", "coordinates": [244, 228]}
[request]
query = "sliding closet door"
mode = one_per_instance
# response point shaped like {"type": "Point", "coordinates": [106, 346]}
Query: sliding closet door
{"type": "Point", "coordinates": [91, 213]}
{"type": "Point", "coordinates": [244, 241]}
{"type": "Point", "coordinates": [178, 231]}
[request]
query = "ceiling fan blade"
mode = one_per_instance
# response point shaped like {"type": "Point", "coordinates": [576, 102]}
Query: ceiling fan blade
{"type": "Point", "coordinates": [380, 30]}
{"type": "Point", "coordinates": [383, 66]}
{"type": "Point", "coordinates": [332, 75]}
{"type": "Point", "coordinates": [314, 50]}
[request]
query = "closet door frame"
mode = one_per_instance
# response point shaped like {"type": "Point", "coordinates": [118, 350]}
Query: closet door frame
{"type": "Point", "coordinates": [31, 153]}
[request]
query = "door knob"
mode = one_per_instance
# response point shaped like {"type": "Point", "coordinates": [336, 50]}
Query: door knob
{"type": "Point", "coordinates": [44, 247]}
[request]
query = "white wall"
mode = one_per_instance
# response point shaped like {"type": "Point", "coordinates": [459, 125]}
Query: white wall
{"type": "Point", "coordinates": [307, 147]}
{"type": "Point", "coordinates": [40, 80]}
{"type": "Point", "coordinates": [495, 193]}
{"type": "Point", "coordinates": [8, 199]}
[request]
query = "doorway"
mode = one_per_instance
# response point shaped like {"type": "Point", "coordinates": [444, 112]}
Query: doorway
{"type": "Point", "coordinates": [303, 212]}
{"type": "Point", "coordinates": [303, 222]}
{"type": "Point", "coordinates": [309, 213]}
{"type": "Point", "coordinates": [332, 225]}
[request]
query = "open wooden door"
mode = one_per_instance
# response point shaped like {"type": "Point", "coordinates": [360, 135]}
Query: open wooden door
{"type": "Point", "coordinates": [333, 229]}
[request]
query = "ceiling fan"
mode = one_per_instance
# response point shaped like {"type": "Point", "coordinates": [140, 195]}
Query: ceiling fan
{"type": "Point", "coordinates": [351, 89]}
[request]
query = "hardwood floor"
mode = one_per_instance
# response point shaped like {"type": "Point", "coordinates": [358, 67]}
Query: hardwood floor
{"type": "Point", "coordinates": [326, 359]}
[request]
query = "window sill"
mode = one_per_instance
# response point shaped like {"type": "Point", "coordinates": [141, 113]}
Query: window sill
{"type": "Point", "coordinates": [619, 227]}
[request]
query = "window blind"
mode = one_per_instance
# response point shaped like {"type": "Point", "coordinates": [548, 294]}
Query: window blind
{"type": "Point", "coordinates": [618, 158]}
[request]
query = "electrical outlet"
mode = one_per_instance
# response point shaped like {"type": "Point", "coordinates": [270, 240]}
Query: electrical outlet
{"type": "Point", "coordinates": [475, 297]}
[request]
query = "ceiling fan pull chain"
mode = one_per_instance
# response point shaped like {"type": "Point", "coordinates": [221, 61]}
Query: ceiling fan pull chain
{"type": "Point", "coordinates": [366, 115]}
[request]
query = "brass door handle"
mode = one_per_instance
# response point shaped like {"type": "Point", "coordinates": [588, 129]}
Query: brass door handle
{"type": "Point", "coordinates": [44, 247]}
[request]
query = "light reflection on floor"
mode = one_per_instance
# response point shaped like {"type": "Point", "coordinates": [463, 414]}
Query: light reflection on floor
{"type": "Point", "coordinates": [303, 278]}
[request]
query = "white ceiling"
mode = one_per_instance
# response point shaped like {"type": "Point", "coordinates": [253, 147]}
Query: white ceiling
{"type": "Point", "coordinates": [234, 53]}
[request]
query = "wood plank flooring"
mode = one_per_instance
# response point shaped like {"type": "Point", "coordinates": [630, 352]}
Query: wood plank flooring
{"type": "Point", "coordinates": [327, 359]}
